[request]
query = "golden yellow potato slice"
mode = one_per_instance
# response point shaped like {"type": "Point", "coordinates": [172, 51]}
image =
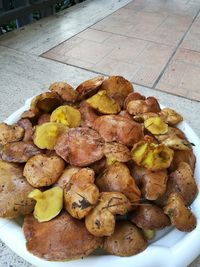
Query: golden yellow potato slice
{"type": "Point", "coordinates": [158, 157]}
{"type": "Point", "coordinates": [48, 203]}
{"type": "Point", "coordinates": [103, 103]}
{"type": "Point", "coordinates": [139, 151]}
{"type": "Point", "coordinates": [46, 135]}
{"type": "Point", "coordinates": [152, 156]}
{"type": "Point", "coordinates": [66, 115]}
{"type": "Point", "coordinates": [156, 125]}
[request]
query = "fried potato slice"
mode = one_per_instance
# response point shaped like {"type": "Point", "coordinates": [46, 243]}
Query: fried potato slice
{"type": "Point", "coordinates": [133, 96]}
{"type": "Point", "coordinates": [46, 134]}
{"type": "Point", "coordinates": [136, 107]}
{"type": "Point", "coordinates": [41, 170]}
{"type": "Point", "coordinates": [181, 216]}
{"type": "Point", "coordinates": [149, 216]}
{"type": "Point", "coordinates": [117, 178]}
{"type": "Point", "coordinates": [81, 194]}
{"type": "Point", "coordinates": [10, 133]}
{"type": "Point", "coordinates": [101, 220]}
{"type": "Point", "coordinates": [66, 115]}
{"type": "Point", "coordinates": [48, 203]}
{"type": "Point", "coordinates": [62, 238]}
{"type": "Point", "coordinates": [64, 180]}
{"type": "Point", "coordinates": [156, 125]}
{"type": "Point", "coordinates": [14, 191]}
{"type": "Point", "coordinates": [88, 115]}
{"type": "Point", "coordinates": [170, 116]}
{"type": "Point", "coordinates": [120, 129]}
{"type": "Point", "coordinates": [80, 146]}
{"type": "Point", "coordinates": [118, 88]}
{"type": "Point", "coordinates": [45, 102]}
{"type": "Point", "coordinates": [127, 240]}
{"type": "Point", "coordinates": [116, 152]}
{"type": "Point", "coordinates": [103, 103]}
{"type": "Point", "coordinates": [28, 129]}
{"type": "Point", "coordinates": [183, 182]}
{"type": "Point", "coordinates": [19, 151]}
{"type": "Point", "coordinates": [152, 156]}
{"type": "Point", "coordinates": [89, 87]}
{"type": "Point", "coordinates": [183, 156]}
{"type": "Point", "coordinates": [65, 91]}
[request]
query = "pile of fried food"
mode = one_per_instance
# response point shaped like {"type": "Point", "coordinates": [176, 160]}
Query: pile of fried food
{"type": "Point", "coordinates": [100, 166]}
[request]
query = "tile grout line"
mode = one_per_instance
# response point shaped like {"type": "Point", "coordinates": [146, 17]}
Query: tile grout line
{"type": "Point", "coordinates": [84, 29]}
{"type": "Point", "coordinates": [107, 75]}
{"type": "Point", "coordinates": [174, 52]}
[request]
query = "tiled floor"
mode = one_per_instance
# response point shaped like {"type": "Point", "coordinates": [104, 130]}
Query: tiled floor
{"type": "Point", "coordinates": [153, 43]}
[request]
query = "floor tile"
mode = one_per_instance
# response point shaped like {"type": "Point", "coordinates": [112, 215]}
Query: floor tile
{"type": "Point", "coordinates": [164, 29]}
{"type": "Point", "coordinates": [145, 60]}
{"type": "Point", "coordinates": [89, 51]}
{"type": "Point", "coordinates": [175, 7]}
{"type": "Point", "coordinates": [182, 75]}
{"type": "Point", "coordinates": [94, 35]}
{"type": "Point", "coordinates": [192, 39]}
{"type": "Point", "coordinates": [114, 24]}
{"type": "Point", "coordinates": [111, 66]}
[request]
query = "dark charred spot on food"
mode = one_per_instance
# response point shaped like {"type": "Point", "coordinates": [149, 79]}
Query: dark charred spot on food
{"type": "Point", "coordinates": [83, 203]}
{"type": "Point", "coordinates": [98, 224]}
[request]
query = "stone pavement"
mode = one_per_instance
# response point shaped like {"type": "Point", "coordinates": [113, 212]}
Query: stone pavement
{"type": "Point", "coordinates": [24, 73]}
{"type": "Point", "coordinates": [153, 43]}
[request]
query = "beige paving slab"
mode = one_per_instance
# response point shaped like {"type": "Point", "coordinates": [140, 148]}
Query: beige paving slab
{"type": "Point", "coordinates": [192, 39]}
{"type": "Point", "coordinates": [175, 7]}
{"type": "Point", "coordinates": [139, 60]}
{"type": "Point", "coordinates": [49, 32]}
{"type": "Point", "coordinates": [182, 75]}
{"type": "Point", "coordinates": [160, 28]}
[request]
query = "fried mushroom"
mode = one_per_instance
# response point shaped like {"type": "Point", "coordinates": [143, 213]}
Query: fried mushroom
{"type": "Point", "coordinates": [117, 178]}
{"type": "Point", "coordinates": [101, 220]}
{"type": "Point", "coordinates": [118, 88]}
{"type": "Point", "coordinates": [181, 216]}
{"type": "Point", "coordinates": [19, 151]}
{"type": "Point", "coordinates": [149, 216]}
{"type": "Point", "coordinates": [127, 240]}
{"type": "Point", "coordinates": [28, 129]}
{"type": "Point", "coordinates": [89, 87]}
{"type": "Point", "coordinates": [41, 170]}
{"type": "Point", "coordinates": [14, 191]}
{"type": "Point", "coordinates": [63, 238]}
{"type": "Point", "coordinates": [118, 128]}
{"type": "Point", "coordinates": [65, 91]}
{"type": "Point", "coordinates": [81, 194]}
{"type": "Point", "coordinates": [64, 179]}
{"type": "Point", "coordinates": [183, 182]}
{"type": "Point", "coordinates": [136, 107]}
{"type": "Point", "coordinates": [10, 133]}
{"type": "Point", "coordinates": [80, 146]}
{"type": "Point", "coordinates": [116, 152]}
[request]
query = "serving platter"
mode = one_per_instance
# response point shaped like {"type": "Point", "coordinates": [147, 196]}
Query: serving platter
{"type": "Point", "coordinates": [171, 247]}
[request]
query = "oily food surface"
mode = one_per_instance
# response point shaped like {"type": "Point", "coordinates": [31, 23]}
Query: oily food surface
{"type": "Point", "coordinates": [98, 166]}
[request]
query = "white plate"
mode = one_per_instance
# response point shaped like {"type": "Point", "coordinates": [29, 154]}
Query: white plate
{"type": "Point", "coordinates": [172, 249]}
